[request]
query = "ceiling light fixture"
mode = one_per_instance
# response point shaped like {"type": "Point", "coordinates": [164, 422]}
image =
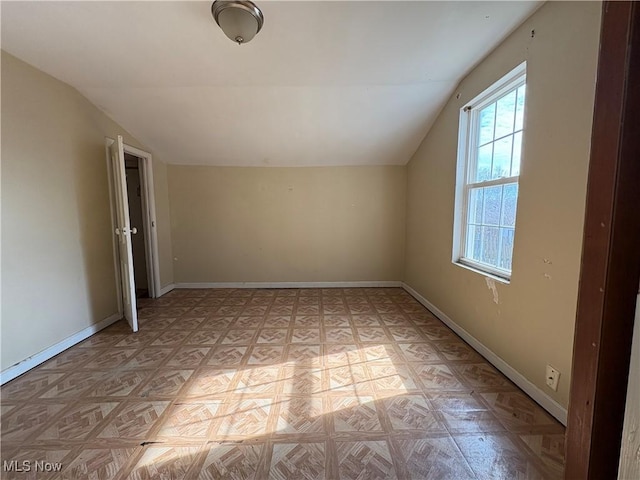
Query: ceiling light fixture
{"type": "Point", "coordinates": [240, 20]}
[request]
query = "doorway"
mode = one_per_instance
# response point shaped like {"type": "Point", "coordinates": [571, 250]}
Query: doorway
{"type": "Point", "coordinates": [138, 199]}
{"type": "Point", "coordinates": [610, 271]}
{"type": "Point", "coordinates": [134, 194]}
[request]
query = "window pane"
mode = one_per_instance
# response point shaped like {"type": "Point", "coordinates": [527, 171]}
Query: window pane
{"type": "Point", "coordinates": [475, 205]}
{"type": "Point", "coordinates": [505, 114]}
{"type": "Point", "coordinates": [509, 201]}
{"type": "Point", "coordinates": [492, 156]}
{"type": "Point", "coordinates": [474, 242]}
{"type": "Point", "coordinates": [517, 152]}
{"type": "Point", "coordinates": [492, 204]}
{"type": "Point", "coordinates": [483, 168]}
{"type": "Point", "coordinates": [490, 240]}
{"type": "Point", "coordinates": [487, 119]}
{"type": "Point", "coordinates": [520, 108]}
{"type": "Point", "coordinates": [507, 247]}
{"type": "Point", "coordinates": [501, 158]}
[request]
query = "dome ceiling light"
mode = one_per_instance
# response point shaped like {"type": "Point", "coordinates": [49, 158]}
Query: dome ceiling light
{"type": "Point", "coordinates": [240, 20]}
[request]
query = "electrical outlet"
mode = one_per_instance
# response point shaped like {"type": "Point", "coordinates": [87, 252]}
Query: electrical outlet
{"type": "Point", "coordinates": [552, 378]}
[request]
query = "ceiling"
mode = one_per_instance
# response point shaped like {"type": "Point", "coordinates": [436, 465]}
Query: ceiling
{"type": "Point", "coordinates": [323, 83]}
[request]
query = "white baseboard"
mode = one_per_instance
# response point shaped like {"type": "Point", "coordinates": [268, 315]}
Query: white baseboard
{"type": "Point", "coordinates": [166, 289]}
{"type": "Point", "coordinates": [544, 400]}
{"type": "Point", "coordinates": [35, 360]}
{"type": "Point", "coordinates": [369, 284]}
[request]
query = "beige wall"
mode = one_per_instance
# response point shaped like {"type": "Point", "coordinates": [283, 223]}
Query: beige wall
{"type": "Point", "coordinates": [532, 322]}
{"type": "Point", "coordinates": [287, 224]}
{"type": "Point", "coordinates": [57, 255]}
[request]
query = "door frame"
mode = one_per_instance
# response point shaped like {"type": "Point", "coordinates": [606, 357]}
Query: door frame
{"type": "Point", "coordinates": [610, 268]}
{"type": "Point", "coordinates": [145, 166]}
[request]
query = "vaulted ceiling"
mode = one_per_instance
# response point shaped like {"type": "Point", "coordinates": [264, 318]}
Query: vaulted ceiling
{"type": "Point", "coordinates": [323, 83]}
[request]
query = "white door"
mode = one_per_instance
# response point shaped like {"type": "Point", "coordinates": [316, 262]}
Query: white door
{"type": "Point", "coordinates": [630, 450]}
{"type": "Point", "coordinates": [123, 234]}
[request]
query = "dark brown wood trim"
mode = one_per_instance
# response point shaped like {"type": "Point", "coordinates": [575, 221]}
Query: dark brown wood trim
{"type": "Point", "coordinates": [611, 254]}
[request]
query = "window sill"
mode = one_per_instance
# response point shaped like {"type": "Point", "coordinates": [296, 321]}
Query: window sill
{"type": "Point", "coordinates": [484, 273]}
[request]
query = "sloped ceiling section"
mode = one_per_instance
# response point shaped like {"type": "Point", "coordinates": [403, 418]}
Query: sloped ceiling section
{"type": "Point", "coordinates": [324, 83]}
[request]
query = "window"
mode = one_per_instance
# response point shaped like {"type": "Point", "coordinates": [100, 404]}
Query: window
{"type": "Point", "coordinates": [489, 154]}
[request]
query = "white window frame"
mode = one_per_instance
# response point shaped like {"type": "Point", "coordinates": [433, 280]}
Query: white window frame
{"type": "Point", "coordinates": [467, 156]}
